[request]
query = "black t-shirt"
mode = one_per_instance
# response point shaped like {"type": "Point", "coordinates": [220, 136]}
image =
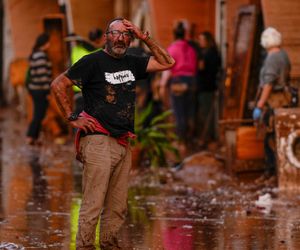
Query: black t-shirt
{"type": "Point", "coordinates": [108, 88]}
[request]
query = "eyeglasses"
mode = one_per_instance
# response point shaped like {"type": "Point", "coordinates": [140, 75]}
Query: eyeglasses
{"type": "Point", "coordinates": [117, 33]}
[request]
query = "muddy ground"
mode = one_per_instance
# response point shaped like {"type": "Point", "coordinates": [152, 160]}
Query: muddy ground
{"type": "Point", "coordinates": [197, 207]}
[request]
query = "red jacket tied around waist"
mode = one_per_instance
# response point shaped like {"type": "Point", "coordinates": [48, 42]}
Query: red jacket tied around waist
{"type": "Point", "coordinates": [122, 140]}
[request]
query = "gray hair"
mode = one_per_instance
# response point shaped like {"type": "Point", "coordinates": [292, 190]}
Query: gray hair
{"type": "Point", "coordinates": [270, 38]}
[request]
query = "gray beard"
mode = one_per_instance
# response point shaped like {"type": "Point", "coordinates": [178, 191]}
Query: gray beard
{"type": "Point", "coordinates": [113, 54]}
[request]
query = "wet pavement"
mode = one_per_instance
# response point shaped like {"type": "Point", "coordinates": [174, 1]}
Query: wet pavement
{"type": "Point", "coordinates": [197, 207]}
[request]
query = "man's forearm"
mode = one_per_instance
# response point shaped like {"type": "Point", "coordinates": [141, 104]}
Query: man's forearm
{"type": "Point", "coordinates": [160, 54]}
{"type": "Point", "coordinates": [60, 88]}
{"type": "Point", "coordinates": [266, 91]}
{"type": "Point", "coordinates": [161, 57]}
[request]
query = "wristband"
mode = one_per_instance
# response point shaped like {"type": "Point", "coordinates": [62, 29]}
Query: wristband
{"type": "Point", "coordinates": [73, 117]}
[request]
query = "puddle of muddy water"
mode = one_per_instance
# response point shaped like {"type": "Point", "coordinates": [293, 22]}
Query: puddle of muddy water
{"type": "Point", "coordinates": [41, 205]}
{"type": "Point", "coordinates": [40, 199]}
{"type": "Point", "coordinates": [170, 221]}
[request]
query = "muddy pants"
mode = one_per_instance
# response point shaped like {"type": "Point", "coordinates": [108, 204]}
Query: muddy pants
{"type": "Point", "coordinates": [105, 182]}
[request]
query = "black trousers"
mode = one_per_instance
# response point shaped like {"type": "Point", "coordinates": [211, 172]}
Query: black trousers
{"type": "Point", "coordinates": [269, 142]}
{"type": "Point", "coordinates": [40, 105]}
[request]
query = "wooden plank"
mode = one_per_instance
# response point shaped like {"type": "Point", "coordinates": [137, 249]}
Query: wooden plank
{"type": "Point", "coordinates": [284, 16]}
{"type": "Point", "coordinates": [231, 15]}
{"type": "Point", "coordinates": [238, 71]}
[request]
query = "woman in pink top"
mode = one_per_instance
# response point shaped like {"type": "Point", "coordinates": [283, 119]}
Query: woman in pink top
{"type": "Point", "coordinates": [181, 81]}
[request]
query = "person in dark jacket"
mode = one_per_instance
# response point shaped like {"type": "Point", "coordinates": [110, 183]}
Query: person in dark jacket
{"type": "Point", "coordinates": [40, 76]}
{"type": "Point", "coordinates": [209, 63]}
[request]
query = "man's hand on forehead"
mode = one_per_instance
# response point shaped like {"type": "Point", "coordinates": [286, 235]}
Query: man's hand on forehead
{"type": "Point", "coordinates": [129, 26]}
{"type": "Point", "coordinates": [135, 30]}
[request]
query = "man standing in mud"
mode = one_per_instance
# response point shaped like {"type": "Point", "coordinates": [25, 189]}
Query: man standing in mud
{"type": "Point", "coordinates": [107, 79]}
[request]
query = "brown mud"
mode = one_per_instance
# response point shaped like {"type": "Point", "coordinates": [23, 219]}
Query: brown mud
{"type": "Point", "coordinates": [196, 207]}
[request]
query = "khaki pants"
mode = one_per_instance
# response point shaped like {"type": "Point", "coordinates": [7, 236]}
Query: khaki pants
{"type": "Point", "coordinates": [105, 183]}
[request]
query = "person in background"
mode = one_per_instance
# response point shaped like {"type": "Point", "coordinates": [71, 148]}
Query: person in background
{"type": "Point", "coordinates": [209, 64]}
{"type": "Point", "coordinates": [40, 77]}
{"type": "Point", "coordinates": [80, 48]}
{"type": "Point", "coordinates": [144, 88]}
{"type": "Point", "coordinates": [96, 37]}
{"type": "Point", "coordinates": [181, 82]}
{"type": "Point", "coordinates": [273, 82]}
{"type": "Point", "coordinates": [107, 78]}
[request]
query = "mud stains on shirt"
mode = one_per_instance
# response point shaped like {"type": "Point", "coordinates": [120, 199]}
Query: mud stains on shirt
{"type": "Point", "coordinates": [108, 88]}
